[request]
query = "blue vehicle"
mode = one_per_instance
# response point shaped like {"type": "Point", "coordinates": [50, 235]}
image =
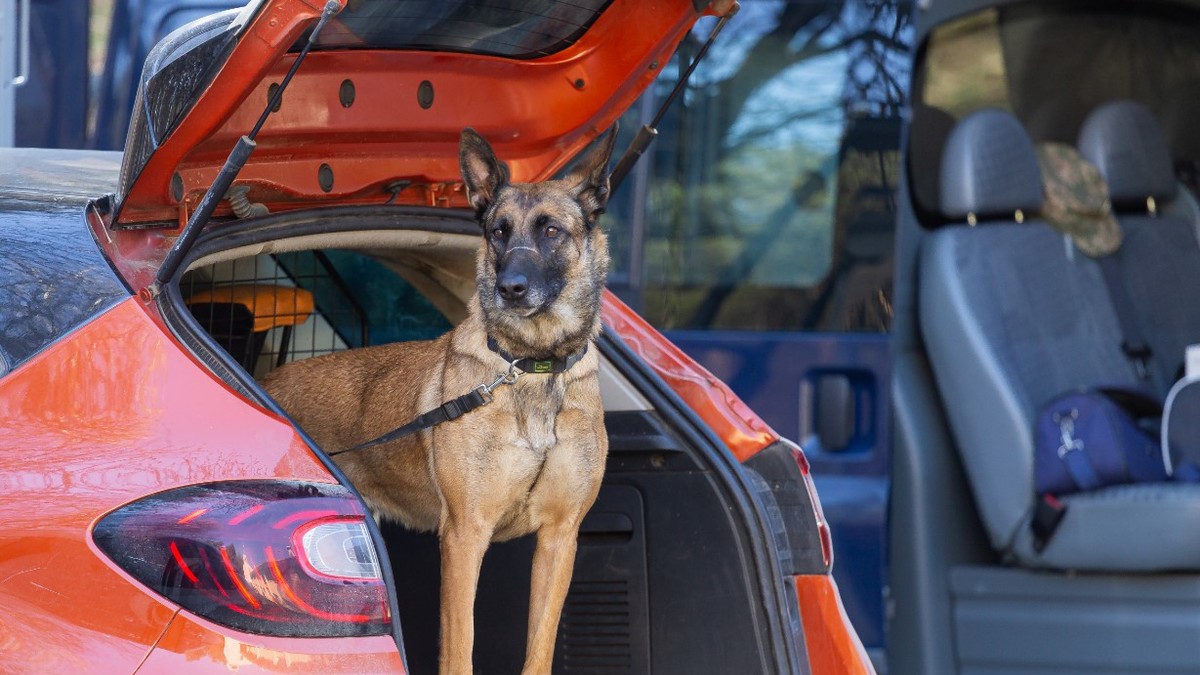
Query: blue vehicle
{"type": "Point", "coordinates": [758, 235]}
{"type": "Point", "coordinates": [45, 74]}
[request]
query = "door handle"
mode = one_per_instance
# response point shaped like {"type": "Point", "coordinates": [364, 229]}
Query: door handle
{"type": "Point", "coordinates": [835, 409]}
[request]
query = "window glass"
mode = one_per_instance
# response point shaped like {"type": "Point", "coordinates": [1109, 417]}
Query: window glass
{"type": "Point", "coordinates": [1051, 65]}
{"type": "Point", "coordinates": [512, 28]}
{"type": "Point", "coordinates": [361, 297]}
{"type": "Point", "coordinates": [767, 201]}
{"type": "Point", "coordinates": [966, 66]}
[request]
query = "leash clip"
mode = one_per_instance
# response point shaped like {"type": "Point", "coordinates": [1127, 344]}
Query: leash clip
{"type": "Point", "coordinates": [485, 390]}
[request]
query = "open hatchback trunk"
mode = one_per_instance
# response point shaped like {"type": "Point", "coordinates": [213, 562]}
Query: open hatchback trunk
{"type": "Point", "coordinates": [681, 543]}
{"type": "Point", "coordinates": [348, 226]}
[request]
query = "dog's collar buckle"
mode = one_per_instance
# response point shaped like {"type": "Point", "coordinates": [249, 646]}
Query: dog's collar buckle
{"type": "Point", "coordinates": [485, 390]}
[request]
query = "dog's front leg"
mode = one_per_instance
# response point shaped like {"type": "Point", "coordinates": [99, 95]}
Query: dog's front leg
{"type": "Point", "coordinates": [463, 545]}
{"type": "Point", "coordinates": [568, 486]}
{"type": "Point", "coordinates": [553, 562]}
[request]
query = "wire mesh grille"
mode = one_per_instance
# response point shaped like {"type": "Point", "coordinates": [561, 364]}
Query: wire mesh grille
{"type": "Point", "coordinates": [274, 309]}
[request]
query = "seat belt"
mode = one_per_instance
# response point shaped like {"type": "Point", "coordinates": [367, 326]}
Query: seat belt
{"type": "Point", "coordinates": [1133, 343]}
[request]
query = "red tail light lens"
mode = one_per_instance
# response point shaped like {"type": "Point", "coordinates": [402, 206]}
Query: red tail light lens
{"type": "Point", "coordinates": [271, 557]}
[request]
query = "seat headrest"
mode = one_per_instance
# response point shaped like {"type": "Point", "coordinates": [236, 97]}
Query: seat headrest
{"type": "Point", "coordinates": [927, 136]}
{"type": "Point", "coordinates": [989, 168]}
{"type": "Point", "coordinates": [1124, 140]}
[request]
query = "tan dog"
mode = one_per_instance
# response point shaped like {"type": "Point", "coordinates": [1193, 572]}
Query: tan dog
{"type": "Point", "coordinates": [530, 461]}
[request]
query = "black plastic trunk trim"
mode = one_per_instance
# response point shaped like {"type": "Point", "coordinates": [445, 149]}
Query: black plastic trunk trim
{"type": "Point", "coordinates": [674, 412]}
{"type": "Point", "coordinates": [227, 235]}
{"type": "Point", "coordinates": [793, 513]}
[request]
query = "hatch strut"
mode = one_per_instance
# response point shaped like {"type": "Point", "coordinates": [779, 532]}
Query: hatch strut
{"type": "Point", "coordinates": [648, 132]}
{"type": "Point", "coordinates": [233, 164]}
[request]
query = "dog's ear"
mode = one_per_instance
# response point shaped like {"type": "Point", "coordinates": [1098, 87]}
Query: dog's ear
{"type": "Point", "coordinates": [482, 172]}
{"type": "Point", "coordinates": [589, 178]}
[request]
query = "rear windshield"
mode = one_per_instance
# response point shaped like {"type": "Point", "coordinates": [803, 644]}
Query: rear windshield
{"type": "Point", "coordinates": [510, 28]}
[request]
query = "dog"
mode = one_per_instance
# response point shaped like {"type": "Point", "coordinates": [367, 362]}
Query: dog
{"type": "Point", "coordinates": [533, 458]}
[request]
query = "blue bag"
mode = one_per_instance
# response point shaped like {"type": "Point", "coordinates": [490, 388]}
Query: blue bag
{"type": "Point", "coordinates": [1090, 438]}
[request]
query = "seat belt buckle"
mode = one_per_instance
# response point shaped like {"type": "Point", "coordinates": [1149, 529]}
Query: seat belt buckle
{"type": "Point", "coordinates": [1140, 354]}
{"type": "Point", "coordinates": [1047, 515]}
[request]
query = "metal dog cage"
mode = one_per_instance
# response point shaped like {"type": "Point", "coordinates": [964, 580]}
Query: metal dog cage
{"type": "Point", "coordinates": [272, 309]}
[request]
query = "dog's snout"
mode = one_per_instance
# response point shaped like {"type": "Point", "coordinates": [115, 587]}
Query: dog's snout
{"type": "Point", "coordinates": [512, 285]}
{"type": "Point", "coordinates": [520, 279]}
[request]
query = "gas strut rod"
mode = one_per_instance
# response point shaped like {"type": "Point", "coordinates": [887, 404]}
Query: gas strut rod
{"type": "Point", "coordinates": [648, 132]}
{"type": "Point", "coordinates": [233, 165]}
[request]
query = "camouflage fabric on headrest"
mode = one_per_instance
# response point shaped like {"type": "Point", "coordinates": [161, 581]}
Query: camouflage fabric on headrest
{"type": "Point", "coordinates": [1076, 201]}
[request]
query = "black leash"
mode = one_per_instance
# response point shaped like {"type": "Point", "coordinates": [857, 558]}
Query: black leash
{"type": "Point", "coordinates": [477, 397]}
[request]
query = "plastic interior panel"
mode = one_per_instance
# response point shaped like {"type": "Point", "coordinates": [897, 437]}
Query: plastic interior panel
{"type": "Point", "coordinates": [1017, 621]}
{"type": "Point", "coordinates": [932, 504]}
{"type": "Point", "coordinates": [605, 624]}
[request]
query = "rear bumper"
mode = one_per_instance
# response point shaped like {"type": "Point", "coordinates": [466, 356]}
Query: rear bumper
{"type": "Point", "coordinates": [193, 645]}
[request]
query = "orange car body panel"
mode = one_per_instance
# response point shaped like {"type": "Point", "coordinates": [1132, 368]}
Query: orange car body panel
{"type": "Point", "coordinates": [113, 412]}
{"type": "Point", "coordinates": [742, 430]}
{"type": "Point", "coordinates": [268, 36]}
{"type": "Point", "coordinates": [107, 401]}
{"type": "Point", "coordinates": [837, 650]}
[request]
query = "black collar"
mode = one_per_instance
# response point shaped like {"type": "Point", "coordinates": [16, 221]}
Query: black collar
{"type": "Point", "coordinates": [544, 366]}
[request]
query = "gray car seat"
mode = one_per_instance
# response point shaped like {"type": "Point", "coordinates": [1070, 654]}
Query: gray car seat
{"type": "Point", "coordinates": [1160, 257]}
{"type": "Point", "coordinates": [1012, 315]}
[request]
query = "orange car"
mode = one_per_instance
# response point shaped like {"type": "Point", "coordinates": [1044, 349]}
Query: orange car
{"type": "Point", "coordinates": [161, 513]}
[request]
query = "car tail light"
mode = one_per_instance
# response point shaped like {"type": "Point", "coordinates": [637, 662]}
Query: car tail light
{"type": "Point", "coordinates": [271, 557]}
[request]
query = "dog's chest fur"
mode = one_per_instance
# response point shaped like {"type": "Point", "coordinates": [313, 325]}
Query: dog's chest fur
{"type": "Point", "coordinates": [534, 405]}
{"type": "Point", "coordinates": [537, 400]}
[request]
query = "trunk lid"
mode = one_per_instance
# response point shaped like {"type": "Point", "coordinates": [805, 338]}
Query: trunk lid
{"type": "Point", "coordinates": [374, 113]}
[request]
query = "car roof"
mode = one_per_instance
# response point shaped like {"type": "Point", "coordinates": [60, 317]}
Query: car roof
{"type": "Point", "coordinates": [59, 176]}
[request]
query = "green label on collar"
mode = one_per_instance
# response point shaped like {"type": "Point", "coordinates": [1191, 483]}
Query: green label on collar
{"type": "Point", "coordinates": [543, 366]}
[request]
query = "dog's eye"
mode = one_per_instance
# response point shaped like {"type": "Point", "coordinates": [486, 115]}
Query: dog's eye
{"type": "Point", "coordinates": [497, 231]}
{"type": "Point", "coordinates": [551, 231]}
